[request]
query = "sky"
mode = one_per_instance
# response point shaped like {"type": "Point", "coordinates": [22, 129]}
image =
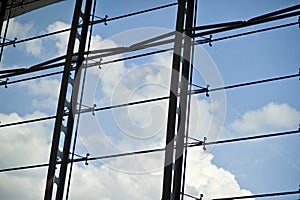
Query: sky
{"type": "Point", "coordinates": [225, 170]}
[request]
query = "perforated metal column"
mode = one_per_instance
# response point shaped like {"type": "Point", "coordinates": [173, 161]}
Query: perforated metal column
{"type": "Point", "coordinates": [66, 108]}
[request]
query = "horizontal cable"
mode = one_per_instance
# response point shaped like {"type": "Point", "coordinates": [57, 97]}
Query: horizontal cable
{"type": "Point", "coordinates": [245, 33]}
{"type": "Point", "coordinates": [205, 41]}
{"type": "Point", "coordinates": [245, 138]}
{"type": "Point", "coordinates": [261, 195]}
{"type": "Point", "coordinates": [245, 24]}
{"type": "Point", "coordinates": [95, 22]}
{"type": "Point", "coordinates": [85, 159]}
{"type": "Point", "coordinates": [197, 91]}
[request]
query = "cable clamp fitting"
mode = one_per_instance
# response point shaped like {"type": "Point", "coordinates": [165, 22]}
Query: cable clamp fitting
{"type": "Point", "coordinates": [207, 90]}
{"type": "Point", "coordinates": [4, 82]}
{"type": "Point", "coordinates": [200, 198]}
{"type": "Point", "coordinates": [86, 159]}
{"type": "Point", "coordinates": [100, 60]}
{"type": "Point", "coordinates": [204, 140]}
{"type": "Point", "coordinates": [14, 42]}
{"type": "Point", "coordinates": [209, 40]}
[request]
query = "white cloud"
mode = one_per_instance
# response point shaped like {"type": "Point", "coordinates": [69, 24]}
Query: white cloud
{"type": "Point", "coordinates": [271, 117]}
{"type": "Point", "coordinates": [17, 29]}
{"type": "Point", "coordinates": [24, 144]}
{"type": "Point", "coordinates": [29, 144]}
{"type": "Point", "coordinates": [61, 40]}
{"type": "Point", "coordinates": [34, 48]}
{"type": "Point", "coordinates": [44, 91]}
{"type": "Point", "coordinates": [205, 178]}
{"type": "Point", "coordinates": [20, 31]}
{"type": "Point", "coordinates": [138, 177]}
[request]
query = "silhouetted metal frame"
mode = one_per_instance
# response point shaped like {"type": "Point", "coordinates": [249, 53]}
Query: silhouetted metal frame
{"type": "Point", "coordinates": [169, 150]}
{"type": "Point", "coordinates": [62, 103]}
{"type": "Point", "coordinates": [184, 83]}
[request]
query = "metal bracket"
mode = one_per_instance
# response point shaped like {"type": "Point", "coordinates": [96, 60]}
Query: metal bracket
{"type": "Point", "coordinates": [204, 140]}
{"type": "Point", "coordinates": [4, 82]}
{"type": "Point", "coordinates": [100, 60]}
{"type": "Point", "coordinates": [209, 41]}
{"type": "Point", "coordinates": [86, 158]}
{"type": "Point", "coordinates": [200, 198]}
{"type": "Point", "coordinates": [92, 109]}
{"type": "Point", "coordinates": [207, 90]}
{"type": "Point", "coordinates": [105, 20]}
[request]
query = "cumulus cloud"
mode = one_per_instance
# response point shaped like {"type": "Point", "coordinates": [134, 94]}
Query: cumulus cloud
{"type": "Point", "coordinates": [45, 92]}
{"type": "Point", "coordinates": [29, 144]}
{"type": "Point", "coordinates": [271, 117]}
{"type": "Point", "coordinates": [25, 144]}
{"type": "Point", "coordinates": [61, 40]}
{"type": "Point", "coordinates": [19, 30]}
{"type": "Point", "coordinates": [136, 177]}
{"type": "Point", "coordinates": [20, 146]}
{"type": "Point", "coordinates": [205, 178]}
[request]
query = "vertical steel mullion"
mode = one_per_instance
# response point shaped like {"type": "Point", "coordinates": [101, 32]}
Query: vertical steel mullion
{"type": "Point", "coordinates": [70, 123]}
{"type": "Point", "coordinates": [183, 100]}
{"type": "Point", "coordinates": [61, 103]}
{"type": "Point", "coordinates": [169, 152]}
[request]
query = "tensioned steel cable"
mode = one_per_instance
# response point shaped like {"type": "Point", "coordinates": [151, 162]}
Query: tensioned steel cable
{"type": "Point", "coordinates": [197, 42]}
{"type": "Point", "coordinates": [262, 195]}
{"type": "Point", "coordinates": [105, 20]}
{"type": "Point", "coordinates": [195, 144]}
{"type": "Point", "coordinates": [251, 196]}
{"type": "Point", "coordinates": [242, 24]}
{"type": "Point", "coordinates": [193, 92]}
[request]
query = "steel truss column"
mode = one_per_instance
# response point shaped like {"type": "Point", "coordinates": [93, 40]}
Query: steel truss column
{"type": "Point", "coordinates": [185, 72]}
{"type": "Point", "coordinates": [169, 152]}
{"type": "Point", "coordinates": [67, 108]}
{"type": "Point", "coordinates": [185, 15]}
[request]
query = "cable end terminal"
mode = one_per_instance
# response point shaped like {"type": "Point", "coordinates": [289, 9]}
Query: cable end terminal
{"type": "Point", "coordinates": [86, 159]}
{"type": "Point", "coordinates": [204, 140]}
{"type": "Point", "coordinates": [206, 91]}
{"type": "Point", "coordinates": [200, 198]}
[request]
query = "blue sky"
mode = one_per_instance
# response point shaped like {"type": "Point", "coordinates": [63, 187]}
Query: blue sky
{"type": "Point", "coordinates": [262, 166]}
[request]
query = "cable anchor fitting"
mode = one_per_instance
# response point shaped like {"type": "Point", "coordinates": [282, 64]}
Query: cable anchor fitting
{"type": "Point", "coordinates": [100, 60]}
{"type": "Point", "coordinates": [4, 82]}
{"type": "Point", "coordinates": [14, 42]}
{"type": "Point", "coordinates": [204, 140]}
{"type": "Point", "coordinates": [200, 198]}
{"type": "Point", "coordinates": [86, 159]}
{"type": "Point", "coordinates": [207, 90]}
{"type": "Point", "coordinates": [210, 40]}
